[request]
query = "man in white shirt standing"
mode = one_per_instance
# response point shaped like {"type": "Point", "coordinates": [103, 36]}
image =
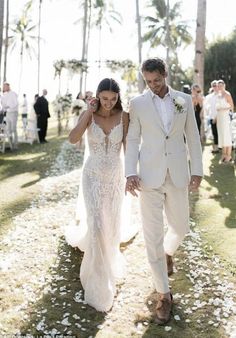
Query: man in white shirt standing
{"type": "Point", "coordinates": [164, 143]}
{"type": "Point", "coordinates": [10, 107]}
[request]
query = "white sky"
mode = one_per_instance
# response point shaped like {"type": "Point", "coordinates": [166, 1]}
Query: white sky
{"type": "Point", "coordinates": [62, 39]}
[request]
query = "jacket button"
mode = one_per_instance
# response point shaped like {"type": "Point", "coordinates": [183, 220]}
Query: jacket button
{"type": "Point", "coordinates": [167, 137]}
{"type": "Point", "coordinates": [165, 154]}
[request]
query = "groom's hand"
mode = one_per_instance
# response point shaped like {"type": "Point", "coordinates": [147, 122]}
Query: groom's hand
{"type": "Point", "coordinates": [132, 184]}
{"type": "Point", "coordinates": [195, 183]}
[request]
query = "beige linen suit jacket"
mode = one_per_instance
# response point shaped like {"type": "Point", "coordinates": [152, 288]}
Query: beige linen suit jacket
{"type": "Point", "coordinates": [151, 151]}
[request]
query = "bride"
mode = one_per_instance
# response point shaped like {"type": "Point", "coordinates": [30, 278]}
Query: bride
{"type": "Point", "coordinates": [103, 190]}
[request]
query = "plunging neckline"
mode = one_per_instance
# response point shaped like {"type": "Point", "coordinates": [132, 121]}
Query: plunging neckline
{"type": "Point", "coordinates": [107, 134]}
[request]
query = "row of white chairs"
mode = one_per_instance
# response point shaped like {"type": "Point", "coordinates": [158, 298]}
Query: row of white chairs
{"type": "Point", "coordinates": [30, 134]}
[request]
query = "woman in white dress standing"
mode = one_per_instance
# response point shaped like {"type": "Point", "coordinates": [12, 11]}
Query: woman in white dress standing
{"type": "Point", "coordinates": [103, 190]}
{"type": "Point", "coordinates": [224, 104]}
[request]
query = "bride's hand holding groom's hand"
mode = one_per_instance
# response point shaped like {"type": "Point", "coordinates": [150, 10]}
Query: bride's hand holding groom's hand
{"type": "Point", "coordinates": [132, 184]}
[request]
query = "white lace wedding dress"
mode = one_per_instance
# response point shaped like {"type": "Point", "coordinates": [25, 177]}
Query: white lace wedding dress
{"type": "Point", "coordinates": [99, 236]}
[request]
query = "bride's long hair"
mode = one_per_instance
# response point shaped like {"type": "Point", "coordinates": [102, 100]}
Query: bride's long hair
{"type": "Point", "coordinates": [112, 86]}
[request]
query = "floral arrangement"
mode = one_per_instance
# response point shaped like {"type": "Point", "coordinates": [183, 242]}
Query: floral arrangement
{"type": "Point", "coordinates": [63, 103]}
{"type": "Point", "coordinates": [73, 65]}
{"type": "Point", "coordinates": [179, 103]}
{"type": "Point", "coordinates": [77, 106]}
{"type": "Point", "coordinates": [58, 66]}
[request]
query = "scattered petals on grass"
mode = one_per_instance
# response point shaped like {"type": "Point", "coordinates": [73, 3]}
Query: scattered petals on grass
{"type": "Point", "coordinates": [59, 193]}
{"type": "Point", "coordinates": [168, 328]}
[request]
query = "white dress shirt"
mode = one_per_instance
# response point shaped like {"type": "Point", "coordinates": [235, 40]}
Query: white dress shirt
{"type": "Point", "coordinates": [165, 108]}
{"type": "Point", "coordinates": [10, 102]}
{"type": "Point", "coordinates": [24, 106]}
{"type": "Point", "coordinates": [210, 106]}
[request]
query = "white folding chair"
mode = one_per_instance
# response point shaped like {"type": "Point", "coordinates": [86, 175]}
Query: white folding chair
{"type": "Point", "coordinates": [4, 137]}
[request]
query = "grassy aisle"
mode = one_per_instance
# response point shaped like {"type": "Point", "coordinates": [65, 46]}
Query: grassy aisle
{"type": "Point", "coordinates": [215, 208]}
{"type": "Point", "coordinates": [40, 290]}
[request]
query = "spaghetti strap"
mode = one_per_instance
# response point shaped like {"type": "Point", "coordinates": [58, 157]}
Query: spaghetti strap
{"type": "Point", "coordinates": [121, 116]}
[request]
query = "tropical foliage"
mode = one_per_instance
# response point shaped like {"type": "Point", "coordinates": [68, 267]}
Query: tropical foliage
{"type": "Point", "coordinates": [220, 63]}
{"type": "Point", "coordinates": [166, 29]}
{"type": "Point", "coordinates": [96, 13]}
{"type": "Point", "coordinates": [22, 36]}
{"type": "Point", "coordinates": [23, 32]}
{"type": "Point", "coordinates": [180, 77]}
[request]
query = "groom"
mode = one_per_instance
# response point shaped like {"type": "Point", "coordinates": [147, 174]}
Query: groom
{"type": "Point", "coordinates": [163, 139]}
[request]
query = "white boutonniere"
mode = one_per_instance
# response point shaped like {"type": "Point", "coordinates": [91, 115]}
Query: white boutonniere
{"type": "Point", "coordinates": [179, 103]}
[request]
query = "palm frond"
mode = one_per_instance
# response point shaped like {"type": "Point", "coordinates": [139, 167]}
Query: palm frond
{"type": "Point", "coordinates": [150, 18]}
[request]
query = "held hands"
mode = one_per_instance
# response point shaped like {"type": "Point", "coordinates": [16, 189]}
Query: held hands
{"type": "Point", "coordinates": [195, 183]}
{"type": "Point", "coordinates": [132, 184]}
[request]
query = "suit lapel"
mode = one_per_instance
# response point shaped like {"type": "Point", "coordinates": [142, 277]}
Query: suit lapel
{"type": "Point", "coordinates": [151, 107]}
{"type": "Point", "coordinates": [173, 95]}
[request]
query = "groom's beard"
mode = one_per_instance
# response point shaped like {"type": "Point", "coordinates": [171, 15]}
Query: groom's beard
{"type": "Point", "coordinates": [160, 91]}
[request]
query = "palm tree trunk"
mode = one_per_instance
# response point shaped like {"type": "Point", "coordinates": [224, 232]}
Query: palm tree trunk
{"type": "Point", "coordinates": [88, 38]}
{"type": "Point", "coordinates": [21, 68]}
{"type": "Point", "coordinates": [85, 24]}
{"type": "Point", "coordinates": [139, 33]}
{"type": "Point", "coordinates": [39, 38]}
{"type": "Point", "coordinates": [6, 43]}
{"type": "Point", "coordinates": [1, 33]}
{"type": "Point", "coordinates": [200, 44]}
{"type": "Point", "coordinates": [168, 40]}
{"type": "Point", "coordinates": [99, 49]}
{"type": "Point", "coordinates": [141, 82]}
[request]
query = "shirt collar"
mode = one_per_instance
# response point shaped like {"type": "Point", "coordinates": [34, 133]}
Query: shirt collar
{"type": "Point", "coordinates": [169, 93]}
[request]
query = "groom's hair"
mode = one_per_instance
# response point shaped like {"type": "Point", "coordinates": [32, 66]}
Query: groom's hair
{"type": "Point", "coordinates": [152, 65]}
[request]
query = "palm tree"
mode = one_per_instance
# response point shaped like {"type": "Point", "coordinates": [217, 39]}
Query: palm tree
{"type": "Point", "coordinates": [84, 43]}
{"type": "Point", "coordinates": [6, 42]}
{"type": "Point", "coordinates": [141, 82]}
{"type": "Point", "coordinates": [28, 5]}
{"type": "Point", "coordinates": [200, 44]}
{"type": "Point", "coordinates": [1, 32]}
{"type": "Point", "coordinates": [105, 13]}
{"type": "Point", "coordinates": [166, 29]}
{"type": "Point", "coordinates": [138, 20]}
{"type": "Point", "coordinates": [39, 39]}
{"type": "Point", "coordinates": [88, 37]}
{"type": "Point", "coordinates": [22, 36]}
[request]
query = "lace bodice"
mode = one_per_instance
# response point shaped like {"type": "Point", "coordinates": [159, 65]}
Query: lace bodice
{"type": "Point", "coordinates": [102, 144]}
{"type": "Point", "coordinates": [104, 150]}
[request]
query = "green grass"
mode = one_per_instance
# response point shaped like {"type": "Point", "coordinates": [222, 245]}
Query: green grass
{"type": "Point", "coordinates": [213, 209]}
{"type": "Point", "coordinates": [20, 171]}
